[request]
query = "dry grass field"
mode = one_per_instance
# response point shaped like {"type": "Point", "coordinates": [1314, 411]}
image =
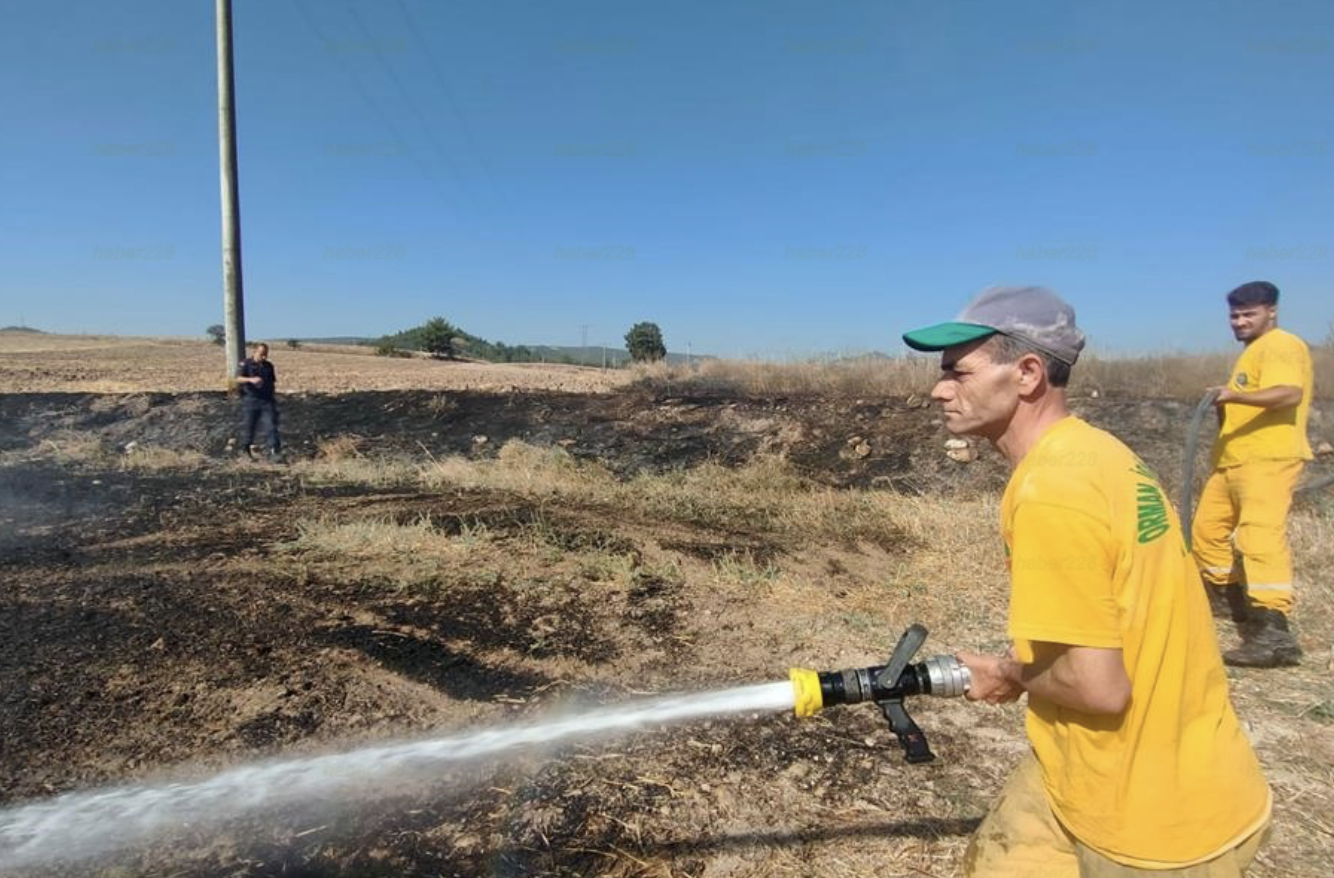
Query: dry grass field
{"type": "Point", "coordinates": [37, 363]}
{"type": "Point", "coordinates": [1148, 377]}
{"type": "Point", "coordinates": [167, 608]}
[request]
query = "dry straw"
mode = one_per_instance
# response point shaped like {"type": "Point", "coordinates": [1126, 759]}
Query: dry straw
{"type": "Point", "coordinates": [1157, 376]}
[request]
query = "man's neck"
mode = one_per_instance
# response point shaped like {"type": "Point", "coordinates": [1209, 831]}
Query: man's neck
{"type": "Point", "coordinates": [1030, 422]}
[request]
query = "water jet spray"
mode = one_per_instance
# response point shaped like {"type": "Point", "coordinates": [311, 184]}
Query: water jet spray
{"type": "Point", "coordinates": [95, 823]}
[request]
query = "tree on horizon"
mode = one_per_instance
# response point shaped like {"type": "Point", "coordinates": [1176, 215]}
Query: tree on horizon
{"type": "Point", "coordinates": [437, 337]}
{"type": "Point", "coordinates": [644, 342]}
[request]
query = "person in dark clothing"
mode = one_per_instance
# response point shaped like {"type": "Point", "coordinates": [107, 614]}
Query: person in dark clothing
{"type": "Point", "coordinates": [257, 378]}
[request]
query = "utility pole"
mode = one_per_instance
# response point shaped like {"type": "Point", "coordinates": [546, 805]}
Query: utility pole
{"type": "Point", "coordinates": [233, 309]}
{"type": "Point", "coordinates": [583, 344]}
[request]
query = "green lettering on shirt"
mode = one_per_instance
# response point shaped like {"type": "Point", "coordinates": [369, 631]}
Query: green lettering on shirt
{"type": "Point", "coordinates": [1152, 521]}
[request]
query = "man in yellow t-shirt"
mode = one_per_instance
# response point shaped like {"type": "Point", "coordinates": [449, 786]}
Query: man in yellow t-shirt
{"type": "Point", "coordinates": [1138, 762]}
{"type": "Point", "coordinates": [1257, 458]}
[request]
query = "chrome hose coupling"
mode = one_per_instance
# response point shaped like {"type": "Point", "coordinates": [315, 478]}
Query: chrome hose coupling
{"type": "Point", "coordinates": [949, 677]}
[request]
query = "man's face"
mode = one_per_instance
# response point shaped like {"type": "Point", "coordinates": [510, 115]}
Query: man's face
{"type": "Point", "coordinates": [1249, 322]}
{"type": "Point", "coordinates": [262, 353]}
{"type": "Point", "coordinates": [977, 396]}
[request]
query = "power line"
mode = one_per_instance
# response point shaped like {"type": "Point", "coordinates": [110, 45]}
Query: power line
{"type": "Point", "coordinates": [407, 99]}
{"type": "Point", "coordinates": [453, 105]}
{"type": "Point", "coordinates": [379, 111]}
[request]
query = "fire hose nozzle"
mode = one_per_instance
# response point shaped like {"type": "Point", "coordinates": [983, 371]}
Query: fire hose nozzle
{"type": "Point", "coordinates": [942, 676]}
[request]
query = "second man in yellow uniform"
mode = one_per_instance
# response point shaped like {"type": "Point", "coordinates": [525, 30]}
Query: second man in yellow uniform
{"type": "Point", "coordinates": [1239, 534]}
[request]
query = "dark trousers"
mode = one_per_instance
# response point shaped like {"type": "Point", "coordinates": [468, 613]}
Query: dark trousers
{"type": "Point", "coordinates": [252, 410]}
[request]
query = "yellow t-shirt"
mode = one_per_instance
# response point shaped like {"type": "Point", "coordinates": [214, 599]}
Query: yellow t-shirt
{"type": "Point", "coordinates": [1097, 559]}
{"type": "Point", "coordinates": [1251, 433]}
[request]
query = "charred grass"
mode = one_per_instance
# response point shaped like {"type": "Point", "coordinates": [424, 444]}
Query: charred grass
{"type": "Point", "coordinates": [352, 596]}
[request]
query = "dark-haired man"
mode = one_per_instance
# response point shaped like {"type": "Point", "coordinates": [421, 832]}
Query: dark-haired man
{"type": "Point", "coordinates": [1138, 763]}
{"type": "Point", "coordinates": [1257, 459]}
{"type": "Point", "coordinates": [257, 378]}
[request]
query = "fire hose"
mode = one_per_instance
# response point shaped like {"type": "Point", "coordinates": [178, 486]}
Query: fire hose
{"type": "Point", "coordinates": [887, 685]}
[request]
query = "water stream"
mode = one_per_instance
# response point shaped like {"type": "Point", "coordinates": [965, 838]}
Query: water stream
{"type": "Point", "coordinates": [83, 825]}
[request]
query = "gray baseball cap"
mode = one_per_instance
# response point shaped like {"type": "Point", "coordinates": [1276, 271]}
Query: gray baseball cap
{"type": "Point", "coordinates": [1034, 315]}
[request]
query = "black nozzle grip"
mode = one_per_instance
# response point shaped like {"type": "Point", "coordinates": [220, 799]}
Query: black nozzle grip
{"type": "Point", "coordinates": [913, 739]}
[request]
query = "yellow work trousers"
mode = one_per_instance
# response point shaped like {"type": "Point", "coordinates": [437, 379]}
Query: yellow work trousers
{"type": "Point", "coordinates": [1021, 838]}
{"type": "Point", "coordinates": [1243, 514]}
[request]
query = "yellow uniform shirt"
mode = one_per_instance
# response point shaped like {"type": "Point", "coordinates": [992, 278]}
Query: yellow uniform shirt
{"type": "Point", "coordinates": [1250, 433]}
{"type": "Point", "coordinates": [1097, 559]}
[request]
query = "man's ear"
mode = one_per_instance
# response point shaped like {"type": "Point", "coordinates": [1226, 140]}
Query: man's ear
{"type": "Point", "coordinates": [1032, 373]}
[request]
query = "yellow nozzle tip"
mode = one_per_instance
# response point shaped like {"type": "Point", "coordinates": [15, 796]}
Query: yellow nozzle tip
{"type": "Point", "coordinates": [806, 691]}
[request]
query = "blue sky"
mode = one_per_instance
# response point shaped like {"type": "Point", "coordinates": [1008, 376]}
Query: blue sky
{"type": "Point", "coordinates": [758, 177]}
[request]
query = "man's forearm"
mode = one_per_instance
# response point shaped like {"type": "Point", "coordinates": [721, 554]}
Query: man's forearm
{"type": "Point", "coordinates": [1279, 396]}
{"type": "Point", "coordinates": [1087, 679]}
{"type": "Point", "coordinates": [1079, 678]}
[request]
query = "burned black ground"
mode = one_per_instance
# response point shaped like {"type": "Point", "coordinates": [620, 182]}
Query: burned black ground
{"type": "Point", "coordinates": [153, 618]}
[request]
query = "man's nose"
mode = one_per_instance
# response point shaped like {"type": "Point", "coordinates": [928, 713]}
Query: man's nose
{"type": "Point", "coordinates": [940, 393]}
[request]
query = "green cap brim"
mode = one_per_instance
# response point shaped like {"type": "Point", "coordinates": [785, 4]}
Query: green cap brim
{"type": "Point", "coordinates": [945, 335]}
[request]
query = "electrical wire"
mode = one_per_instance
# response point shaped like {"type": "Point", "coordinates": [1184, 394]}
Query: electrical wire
{"type": "Point", "coordinates": [379, 111]}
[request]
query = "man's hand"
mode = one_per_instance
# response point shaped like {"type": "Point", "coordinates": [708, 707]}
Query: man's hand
{"type": "Point", "coordinates": [996, 679]}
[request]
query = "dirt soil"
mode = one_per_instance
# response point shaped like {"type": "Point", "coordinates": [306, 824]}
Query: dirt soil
{"type": "Point", "coordinates": [152, 620]}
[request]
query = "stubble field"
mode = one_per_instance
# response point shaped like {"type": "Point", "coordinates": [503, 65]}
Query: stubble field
{"type": "Point", "coordinates": [441, 557]}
